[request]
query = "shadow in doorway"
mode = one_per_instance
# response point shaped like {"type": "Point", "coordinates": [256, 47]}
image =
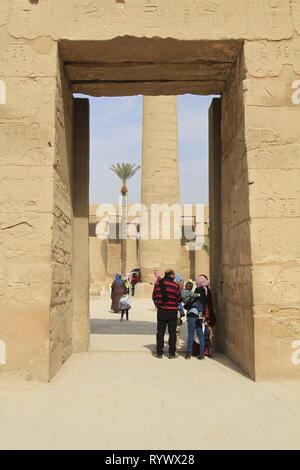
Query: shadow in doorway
{"type": "Point", "coordinates": [131, 327]}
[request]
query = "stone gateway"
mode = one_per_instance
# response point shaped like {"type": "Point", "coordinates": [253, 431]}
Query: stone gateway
{"type": "Point", "coordinates": [248, 52]}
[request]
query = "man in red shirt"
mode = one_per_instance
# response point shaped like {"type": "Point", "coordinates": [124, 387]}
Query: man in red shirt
{"type": "Point", "coordinates": [166, 296]}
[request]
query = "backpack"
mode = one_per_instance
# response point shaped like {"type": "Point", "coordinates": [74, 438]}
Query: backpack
{"type": "Point", "coordinates": [124, 302]}
{"type": "Point", "coordinates": [189, 303]}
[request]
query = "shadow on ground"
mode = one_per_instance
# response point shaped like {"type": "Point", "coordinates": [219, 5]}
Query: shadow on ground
{"type": "Point", "coordinates": [217, 357]}
{"type": "Point", "coordinates": [225, 361]}
{"type": "Point", "coordinates": [109, 327]}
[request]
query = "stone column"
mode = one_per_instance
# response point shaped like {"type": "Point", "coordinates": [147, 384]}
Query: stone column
{"type": "Point", "coordinates": [160, 181]}
{"type": "Point", "coordinates": [201, 256]}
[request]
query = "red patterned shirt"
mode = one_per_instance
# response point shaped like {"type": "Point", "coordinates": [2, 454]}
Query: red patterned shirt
{"type": "Point", "coordinates": [172, 291]}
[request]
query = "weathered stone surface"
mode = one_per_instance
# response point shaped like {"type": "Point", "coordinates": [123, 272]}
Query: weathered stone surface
{"type": "Point", "coordinates": [277, 288]}
{"type": "Point", "coordinates": [147, 71]}
{"type": "Point", "coordinates": [26, 144]}
{"type": "Point", "coordinates": [272, 138]}
{"type": "Point", "coordinates": [296, 15]}
{"type": "Point", "coordinates": [275, 359]}
{"type": "Point", "coordinates": [60, 335]}
{"type": "Point", "coordinates": [4, 11]}
{"type": "Point", "coordinates": [189, 67]}
{"type": "Point", "coordinates": [160, 183]}
{"type": "Point", "coordinates": [35, 196]}
{"type": "Point", "coordinates": [269, 156]}
{"type": "Point", "coordinates": [273, 193]}
{"type": "Point", "coordinates": [25, 238]}
{"type": "Point", "coordinates": [166, 52]}
{"type": "Point", "coordinates": [203, 87]}
{"type": "Point", "coordinates": [274, 241]}
{"type": "Point", "coordinates": [267, 58]}
{"type": "Point", "coordinates": [20, 104]}
{"type": "Point", "coordinates": [235, 304]}
{"type": "Point", "coordinates": [90, 20]}
{"type": "Point", "coordinates": [280, 122]}
{"type": "Point", "coordinates": [271, 91]}
{"type": "Point", "coordinates": [27, 59]}
{"type": "Point", "coordinates": [259, 165]}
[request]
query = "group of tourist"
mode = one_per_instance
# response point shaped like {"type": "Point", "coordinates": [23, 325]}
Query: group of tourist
{"type": "Point", "coordinates": [173, 300]}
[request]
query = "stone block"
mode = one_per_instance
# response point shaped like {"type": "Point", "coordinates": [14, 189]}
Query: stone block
{"type": "Point", "coordinates": [270, 156]}
{"type": "Point", "coordinates": [296, 15]}
{"type": "Point", "coordinates": [267, 58]}
{"type": "Point", "coordinates": [93, 20]}
{"type": "Point", "coordinates": [24, 144]}
{"type": "Point", "coordinates": [29, 59]}
{"type": "Point", "coordinates": [31, 335]}
{"type": "Point", "coordinates": [26, 241]}
{"type": "Point", "coordinates": [274, 354]}
{"type": "Point", "coordinates": [277, 287]}
{"type": "Point", "coordinates": [29, 197]}
{"type": "Point", "coordinates": [98, 259]}
{"type": "Point", "coordinates": [274, 193]}
{"type": "Point", "coordinates": [276, 125]}
{"type": "Point", "coordinates": [28, 284]}
{"type": "Point", "coordinates": [272, 91]}
{"type": "Point", "coordinates": [274, 240]}
{"type": "Point", "coordinates": [4, 7]}
{"type": "Point", "coordinates": [29, 99]}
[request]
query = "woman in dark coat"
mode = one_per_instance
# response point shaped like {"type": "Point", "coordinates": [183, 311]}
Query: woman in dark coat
{"type": "Point", "coordinates": [210, 319]}
{"type": "Point", "coordinates": [118, 288]}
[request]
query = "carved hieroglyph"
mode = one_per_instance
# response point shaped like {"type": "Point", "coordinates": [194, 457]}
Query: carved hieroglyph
{"type": "Point", "coordinates": [254, 52]}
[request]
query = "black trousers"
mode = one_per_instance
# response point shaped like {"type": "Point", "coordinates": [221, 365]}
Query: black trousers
{"type": "Point", "coordinates": [164, 318]}
{"type": "Point", "coordinates": [124, 312]}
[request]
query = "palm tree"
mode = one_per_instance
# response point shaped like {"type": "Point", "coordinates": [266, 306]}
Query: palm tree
{"type": "Point", "coordinates": [124, 171]}
{"type": "Point", "coordinates": [205, 246]}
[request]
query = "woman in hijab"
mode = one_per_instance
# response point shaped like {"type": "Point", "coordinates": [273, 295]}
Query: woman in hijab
{"type": "Point", "coordinates": [210, 319]}
{"type": "Point", "coordinates": [202, 281]}
{"type": "Point", "coordinates": [118, 288]}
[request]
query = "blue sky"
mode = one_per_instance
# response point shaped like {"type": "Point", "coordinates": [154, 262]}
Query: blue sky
{"type": "Point", "coordinates": [116, 136]}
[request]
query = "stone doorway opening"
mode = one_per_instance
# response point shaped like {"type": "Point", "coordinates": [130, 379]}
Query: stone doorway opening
{"type": "Point", "coordinates": [128, 66]}
{"type": "Point", "coordinates": [162, 142]}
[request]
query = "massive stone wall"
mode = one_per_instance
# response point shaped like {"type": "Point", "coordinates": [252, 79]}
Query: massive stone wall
{"type": "Point", "coordinates": [61, 249]}
{"type": "Point", "coordinates": [272, 120]}
{"type": "Point", "coordinates": [236, 308]}
{"type": "Point", "coordinates": [35, 205]}
{"type": "Point", "coordinates": [187, 19]}
{"type": "Point", "coordinates": [27, 137]}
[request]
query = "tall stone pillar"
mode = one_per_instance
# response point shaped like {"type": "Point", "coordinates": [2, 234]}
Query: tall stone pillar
{"type": "Point", "coordinates": [160, 184]}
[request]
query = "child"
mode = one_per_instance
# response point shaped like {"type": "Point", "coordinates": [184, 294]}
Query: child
{"type": "Point", "coordinates": [124, 303]}
{"type": "Point", "coordinates": [188, 296]}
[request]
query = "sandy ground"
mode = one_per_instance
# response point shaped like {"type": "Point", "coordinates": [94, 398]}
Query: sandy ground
{"type": "Point", "coordinates": [118, 396]}
{"type": "Point", "coordinates": [108, 333]}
